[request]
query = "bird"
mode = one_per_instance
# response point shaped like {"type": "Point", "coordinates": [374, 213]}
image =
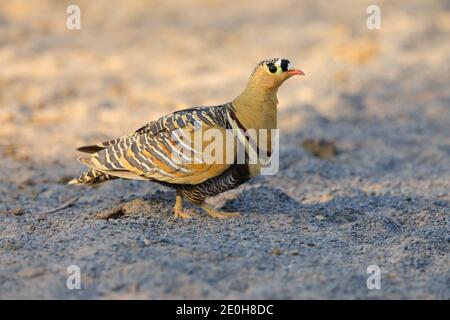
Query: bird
{"type": "Point", "coordinates": [152, 152]}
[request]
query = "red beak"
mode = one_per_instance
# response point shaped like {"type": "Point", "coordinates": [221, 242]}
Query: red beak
{"type": "Point", "coordinates": [294, 72]}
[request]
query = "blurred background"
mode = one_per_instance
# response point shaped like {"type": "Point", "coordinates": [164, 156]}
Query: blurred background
{"type": "Point", "coordinates": [379, 99]}
{"type": "Point", "coordinates": [133, 61]}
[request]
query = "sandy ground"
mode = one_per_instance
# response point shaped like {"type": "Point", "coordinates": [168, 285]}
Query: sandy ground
{"type": "Point", "coordinates": [310, 231]}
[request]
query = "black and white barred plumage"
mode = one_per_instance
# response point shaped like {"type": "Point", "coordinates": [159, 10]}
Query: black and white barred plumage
{"type": "Point", "coordinates": [146, 155]}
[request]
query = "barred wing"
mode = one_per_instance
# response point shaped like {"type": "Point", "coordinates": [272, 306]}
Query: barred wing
{"type": "Point", "coordinates": [157, 151]}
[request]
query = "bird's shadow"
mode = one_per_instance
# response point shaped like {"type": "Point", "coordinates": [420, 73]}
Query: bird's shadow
{"type": "Point", "coordinates": [263, 200]}
{"type": "Point", "coordinates": [340, 210]}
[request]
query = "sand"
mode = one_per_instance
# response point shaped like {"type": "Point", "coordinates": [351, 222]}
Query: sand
{"type": "Point", "coordinates": [380, 96]}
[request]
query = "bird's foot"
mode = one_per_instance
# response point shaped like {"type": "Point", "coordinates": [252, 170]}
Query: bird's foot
{"type": "Point", "coordinates": [185, 214]}
{"type": "Point", "coordinates": [219, 214]}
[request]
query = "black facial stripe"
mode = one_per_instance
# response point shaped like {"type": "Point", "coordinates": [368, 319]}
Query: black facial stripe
{"type": "Point", "coordinates": [284, 64]}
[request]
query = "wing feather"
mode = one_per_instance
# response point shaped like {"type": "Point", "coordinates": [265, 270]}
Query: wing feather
{"type": "Point", "coordinates": [151, 153]}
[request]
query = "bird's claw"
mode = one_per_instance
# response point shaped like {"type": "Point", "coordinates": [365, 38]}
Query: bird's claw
{"type": "Point", "coordinates": [218, 214]}
{"type": "Point", "coordinates": [185, 214]}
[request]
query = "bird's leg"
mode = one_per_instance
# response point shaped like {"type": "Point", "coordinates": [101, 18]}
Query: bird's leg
{"type": "Point", "coordinates": [218, 214]}
{"type": "Point", "coordinates": [178, 209]}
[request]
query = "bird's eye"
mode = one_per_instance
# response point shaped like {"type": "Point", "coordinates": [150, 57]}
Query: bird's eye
{"type": "Point", "coordinates": [272, 68]}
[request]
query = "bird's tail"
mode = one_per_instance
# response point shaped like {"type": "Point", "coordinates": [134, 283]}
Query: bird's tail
{"type": "Point", "coordinates": [92, 176]}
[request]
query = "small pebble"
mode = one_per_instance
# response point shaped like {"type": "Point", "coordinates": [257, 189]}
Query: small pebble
{"type": "Point", "coordinates": [275, 252]}
{"type": "Point", "coordinates": [17, 211]}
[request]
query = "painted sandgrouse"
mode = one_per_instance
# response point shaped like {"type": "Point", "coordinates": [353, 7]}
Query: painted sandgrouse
{"type": "Point", "coordinates": [166, 150]}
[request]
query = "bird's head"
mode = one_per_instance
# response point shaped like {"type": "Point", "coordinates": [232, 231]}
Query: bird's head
{"type": "Point", "coordinates": [271, 73]}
